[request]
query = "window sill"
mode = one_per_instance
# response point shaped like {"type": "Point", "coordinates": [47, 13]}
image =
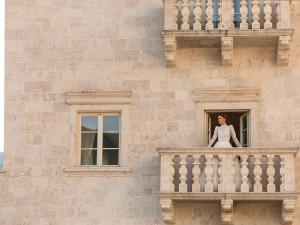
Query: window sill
{"type": "Point", "coordinates": [2, 171]}
{"type": "Point", "coordinates": [98, 171]}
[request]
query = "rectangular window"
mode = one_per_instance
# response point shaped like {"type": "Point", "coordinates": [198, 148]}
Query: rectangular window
{"type": "Point", "coordinates": [99, 139]}
{"type": "Point", "coordinates": [240, 119]}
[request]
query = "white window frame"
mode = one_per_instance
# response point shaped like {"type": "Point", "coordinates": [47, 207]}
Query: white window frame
{"type": "Point", "coordinates": [100, 148]}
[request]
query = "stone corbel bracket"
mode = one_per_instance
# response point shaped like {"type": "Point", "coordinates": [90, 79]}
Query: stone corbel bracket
{"type": "Point", "coordinates": [227, 50]}
{"type": "Point", "coordinates": [170, 50]}
{"type": "Point", "coordinates": [283, 50]}
{"type": "Point", "coordinates": [227, 211]}
{"type": "Point", "coordinates": [288, 211]}
{"type": "Point", "coordinates": [167, 208]}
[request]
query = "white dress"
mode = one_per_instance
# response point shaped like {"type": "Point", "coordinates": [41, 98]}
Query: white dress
{"type": "Point", "coordinates": [223, 133]}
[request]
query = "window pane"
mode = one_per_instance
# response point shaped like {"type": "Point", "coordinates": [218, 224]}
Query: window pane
{"type": "Point", "coordinates": [88, 140]}
{"type": "Point", "coordinates": [110, 140]}
{"type": "Point", "coordinates": [89, 157]}
{"type": "Point", "coordinates": [111, 123]}
{"type": "Point", "coordinates": [89, 123]}
{"type": "Point", "coordinates": [244, 118]}
{"type": "Point", "coordinates": [110, 157]}
{"type": "Point", "coordinates": [1, 160]}
{"type": "Point", "coordinates": [245, 137]}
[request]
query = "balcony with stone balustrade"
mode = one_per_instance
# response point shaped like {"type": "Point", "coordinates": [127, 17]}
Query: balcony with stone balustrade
{"type": "Point", "coordinates": [227, 175]}
{"type": "Point", "coordinates": [224, 23]}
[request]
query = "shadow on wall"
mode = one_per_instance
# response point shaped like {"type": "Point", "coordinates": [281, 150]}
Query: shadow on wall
{"type": "Point", "coordinates": [1, 160]}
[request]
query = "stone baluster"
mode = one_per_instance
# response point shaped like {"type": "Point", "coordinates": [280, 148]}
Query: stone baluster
{"type": "Point", "coordinates": [271, 174]}
{"type": "Point", "coordinates": [278, 15]}
{"type": "Point", "coordinates": [198, 14]}
{"type": "Point", "coordinates": [284, 21]}
{"type": "Point", "coordinates": [175, 15]}
{"type": "Point", "coordinates": [185, 15]}
{"type": "Point", "coordinates": [255, 14]}
{"type": "Point", "coordinates": [233, 171]}
{"type": "Point", "coordinates": [244, 14]}
{"type": "Point", "coordinates": [209, 15]}
{"type": "Point", "coordinates": [227, 15]}
{"type": "Point", "coordinates": [220, 14]}
{"type": "Point", "coordinates": [221, 173]}
{"type": "Point", "coordinates": [196, 174]}
{"type": "Point", "coordinates": [268, 14]}
{"type": "Point", "coordinates": [209, 169]}
{"type": "Point", "coordinates": [281, 172]}
{"type": "Point", "coordinates": [230, 14]}
{"type": "Point", "coordinates": [183, 174]}
{"type": "Point", "coordinates": [257, 174]}
{"type": "Point", "coordinates": [167, 173]}
{"type": "Point", "coordinates": [244, 172]}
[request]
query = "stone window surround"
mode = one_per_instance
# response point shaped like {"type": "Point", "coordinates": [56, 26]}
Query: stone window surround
{"type": "Point", "coordinates": [226, 100]}
{"type": "Point", "coordinates": [98, 102]}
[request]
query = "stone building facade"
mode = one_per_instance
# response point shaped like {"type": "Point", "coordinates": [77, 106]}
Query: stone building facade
{"type": "Point", "coordinates": [153, 74]}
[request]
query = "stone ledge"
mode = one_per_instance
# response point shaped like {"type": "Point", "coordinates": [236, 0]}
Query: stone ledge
{"type": "Point", "coordinates": [244, 150]}
{"type": "Point", "coordinates": [98, 97]}
{"type": "Point", "coordinates": [238, 196]}
{"type": "Point", "coordinates": [2, 171]}
{"type": "Point", "coordinates": [228, 33]}
{"type": "Point", "coordinates": [97, 171]}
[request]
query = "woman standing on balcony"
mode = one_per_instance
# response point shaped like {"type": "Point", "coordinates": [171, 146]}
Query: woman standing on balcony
{"type": "Point", "coordinates": [223, 133]}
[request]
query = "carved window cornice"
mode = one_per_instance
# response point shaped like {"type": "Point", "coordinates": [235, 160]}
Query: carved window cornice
{"type": "Point", "coordinates": [227, 95]}
{"type": "Point", "coordinates": [98, 97]}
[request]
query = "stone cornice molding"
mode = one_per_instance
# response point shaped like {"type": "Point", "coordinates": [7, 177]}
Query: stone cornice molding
{"type": "Point", "coordinates": [227, 95]}
{"type": "Point", "coordinates": [98, 97]}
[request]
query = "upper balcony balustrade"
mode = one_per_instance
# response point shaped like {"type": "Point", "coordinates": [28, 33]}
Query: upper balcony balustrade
{"type": "Point", "coordinates": [211, 22]}
{"type": "Point", "coordinates": [226, 175]}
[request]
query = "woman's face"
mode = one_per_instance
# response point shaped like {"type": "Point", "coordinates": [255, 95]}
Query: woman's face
{"type": "Point", "coordinates": [221, 120]}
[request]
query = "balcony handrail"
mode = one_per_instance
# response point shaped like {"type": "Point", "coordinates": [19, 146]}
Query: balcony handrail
{"type": "Point", "coordinates": [216, 151]}
{"type": "Point", "coordinates": [224, 14]}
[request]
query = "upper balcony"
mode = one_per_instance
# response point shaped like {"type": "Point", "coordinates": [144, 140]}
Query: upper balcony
{"type": "Point", "coordinates": [227, 175]}
{"type": "Point", "coordinates": [219, 22]}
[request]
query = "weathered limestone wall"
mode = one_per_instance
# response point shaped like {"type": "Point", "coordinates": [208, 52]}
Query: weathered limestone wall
{"type": "Point", "coordinates": [55, 46]}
